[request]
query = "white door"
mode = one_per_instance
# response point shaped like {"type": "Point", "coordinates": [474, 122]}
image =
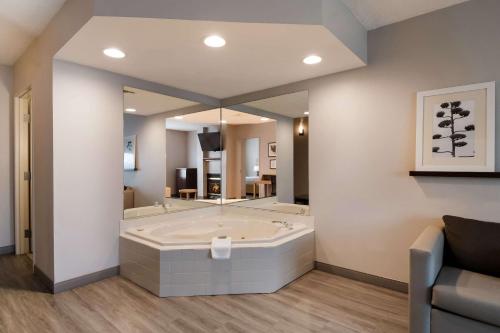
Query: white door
{"type": "Point", "coordinates": [23, 173]}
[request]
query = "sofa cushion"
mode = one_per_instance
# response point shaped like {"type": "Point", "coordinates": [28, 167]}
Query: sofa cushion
{"type": "Point", "coordinates": [472, 245]}
{"type": "Point", "coordinates": [444, 322]}
{"type": "Point", "coordinates": [472, 295]}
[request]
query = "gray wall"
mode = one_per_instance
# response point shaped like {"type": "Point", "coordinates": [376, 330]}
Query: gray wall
{"type": "Point", "coordinates": [362, 141]}
{"type": "Point", "coordinates": [88, 162]}
{"type": "Point", "coordinates": [177, 155]}
{"type": "Point", "coordinates": [6, 158]}
{"type": "Point", "coordinates": [148, 180]}
{"type": "Point", "coordinates": [88, 159]}
{"type": "Point", "coordinates": [367, 210]}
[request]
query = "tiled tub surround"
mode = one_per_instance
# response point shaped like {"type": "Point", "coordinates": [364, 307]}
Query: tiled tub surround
{"type": "Point", "coordinates": [187, 269]}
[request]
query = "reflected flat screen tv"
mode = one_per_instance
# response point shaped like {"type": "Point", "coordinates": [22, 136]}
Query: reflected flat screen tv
{"type": "Point", "coordinates": [210, 141]}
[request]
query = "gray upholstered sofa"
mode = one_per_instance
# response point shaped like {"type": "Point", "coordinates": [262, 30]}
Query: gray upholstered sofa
{"type": "Point", "coordinates": [448, 299]}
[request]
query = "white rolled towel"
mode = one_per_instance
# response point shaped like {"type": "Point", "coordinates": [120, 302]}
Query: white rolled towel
{"type": "Point", "coordinates": [221, 248]}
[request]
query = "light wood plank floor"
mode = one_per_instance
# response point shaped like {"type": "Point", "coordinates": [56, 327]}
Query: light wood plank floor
{"type": "Point", "coordinates": [317, 302]}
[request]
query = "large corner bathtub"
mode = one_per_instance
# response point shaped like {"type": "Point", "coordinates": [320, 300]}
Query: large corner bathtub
{"type": "Point", "coordinates": [242, 230]}
{"type": "Point", "coordinates": [173, 258]}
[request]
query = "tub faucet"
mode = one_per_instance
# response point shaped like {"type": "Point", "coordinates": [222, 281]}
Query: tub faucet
{"type": "Point", "coordinates": [284, 224]}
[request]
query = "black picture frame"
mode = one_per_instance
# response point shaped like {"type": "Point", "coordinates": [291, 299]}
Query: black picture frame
{"type": "Point", "coordinates": [272, 149]}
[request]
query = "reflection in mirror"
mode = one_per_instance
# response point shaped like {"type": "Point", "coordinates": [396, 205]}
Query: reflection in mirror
{"type": "Point", "coordinates": [265, 157]}
{"type": "Point", "coordinates": [168, 143]}
{"type": "Point", "coordinates": [202, 177]}
{"type": "Point", "coordinates": [247, 139]}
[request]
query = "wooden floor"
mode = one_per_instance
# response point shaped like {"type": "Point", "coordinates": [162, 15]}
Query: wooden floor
{"type": "Point", "coordinates": [317, 302]}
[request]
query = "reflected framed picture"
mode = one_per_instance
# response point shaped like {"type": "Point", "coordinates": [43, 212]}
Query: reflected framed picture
{"type": "Point", "coordinates": [272, 164]}
{"type": "Point", "coordinates": [129, 145]}
{"type": "Point", "coordinates": [271, 149]}
{"type": "Point", "coordinates": [456, 129]}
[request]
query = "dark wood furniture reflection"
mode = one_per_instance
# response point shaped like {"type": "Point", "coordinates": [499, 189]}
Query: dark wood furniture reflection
{"type": "Point", "coordinates": [302, 199]}
{"type": "Point", "coordinates": [272, 178]}
{"type": "Point", "coordinates": [187, 193]}
{"type": "Point", "coordinates": [186, 178]}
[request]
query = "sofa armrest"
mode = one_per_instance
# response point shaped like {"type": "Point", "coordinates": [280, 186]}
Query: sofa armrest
{"type": "Point", "coordinates": [426, 260]}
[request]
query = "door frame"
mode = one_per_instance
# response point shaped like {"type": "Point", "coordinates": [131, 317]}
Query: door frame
{"type": "Point", "coordinates": [19, 235]}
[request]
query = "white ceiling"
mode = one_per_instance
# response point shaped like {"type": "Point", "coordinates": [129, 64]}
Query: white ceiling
{"type": "Point", "coordinates": [290, 105]}
{"type": "Point", "coordinates": [23, 20]}
{"type": "Point", "coordinates": [377, 13]}
{"type": "Point", "coordinates": [193, 121]}
{"type": "Point", "coordinates": [171, 52]}
{"type": "Point", "coordinates": [149, 103]}
{"type": "Point", "coordinates": [20, 22]}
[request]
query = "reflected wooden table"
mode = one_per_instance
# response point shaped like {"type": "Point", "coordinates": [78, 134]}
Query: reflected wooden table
{"type": "Point", "coordinates": [187, 192]}
{"type": "Point", "coordinates": [267, 185]}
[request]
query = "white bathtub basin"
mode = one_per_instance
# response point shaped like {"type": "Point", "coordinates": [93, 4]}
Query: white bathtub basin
{"type": "Point", "coordinates": [241, 230]}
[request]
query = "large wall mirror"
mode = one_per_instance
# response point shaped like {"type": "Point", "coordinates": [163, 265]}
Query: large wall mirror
{"type": "Point", "coordinates": [181, 155]}
{"type": "Point", "coordinates": [265, 156]}
{"type": "Point", "coordinates": [172, 154]}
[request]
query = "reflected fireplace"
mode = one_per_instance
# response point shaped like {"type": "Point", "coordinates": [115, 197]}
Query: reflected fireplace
{"type": "Point", "coordinates": [213, 185]}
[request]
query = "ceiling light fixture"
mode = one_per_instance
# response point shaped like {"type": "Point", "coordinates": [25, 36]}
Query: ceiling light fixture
{"type": "Point", "coordinates": [312, 60]}
{"type": "Point", "coordinates": [214, 41]}
{"type": "Point", "coordinates": [114, 53]}
{"type": "Point", "coordinates": [130, 110]}
{"type": "Point", "coordinates": [264, 119]}
{"type": "Point", "coordinates": [178, 117]}
{"type": "Point", "coordinates": [306, 113]}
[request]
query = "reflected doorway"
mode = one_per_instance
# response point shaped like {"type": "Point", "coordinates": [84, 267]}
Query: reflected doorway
{"type": "Point", "coordinates": [251, 164]}
{"type": "Point", "coordinates": [23, 177]}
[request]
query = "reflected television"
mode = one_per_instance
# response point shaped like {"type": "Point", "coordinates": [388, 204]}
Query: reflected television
{"type": "Point", "coordinates": [210, 141]}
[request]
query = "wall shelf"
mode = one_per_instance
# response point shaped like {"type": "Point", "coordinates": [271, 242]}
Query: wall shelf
{"type": "Point", "coordinates": [462, 174]}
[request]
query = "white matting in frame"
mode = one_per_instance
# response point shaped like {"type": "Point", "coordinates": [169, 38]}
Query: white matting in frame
{"type": "Point", "coordinates": [456, 129]}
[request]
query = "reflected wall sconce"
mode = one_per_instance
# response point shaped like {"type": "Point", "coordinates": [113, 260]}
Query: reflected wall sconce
{"type": "Point", "coordinates": [301, 128]}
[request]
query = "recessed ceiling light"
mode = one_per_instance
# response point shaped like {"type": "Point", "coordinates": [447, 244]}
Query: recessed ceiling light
{"type": "Point", "coordinates": [114, 53]}
{"type": "Point", "coordinates": [224, 121]}
{"type": "Point", "coordinates": [264, 119]}
{"type": "Point", "coordinates": [178, 117]}
{"type": "Point", "coordinates": [312, 60]}
{"type": "Point", "coordinates": [130, 110]}
{"type": "Point", "coordinates": [306, 113]}
{"type": "Point", "coordinates": [214, 41]}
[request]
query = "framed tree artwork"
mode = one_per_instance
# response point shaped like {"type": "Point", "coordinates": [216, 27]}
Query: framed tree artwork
{"type": "Point", "coordinates": [456, 129]}
{"type": "Point", "coordinates": [271, 149]}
